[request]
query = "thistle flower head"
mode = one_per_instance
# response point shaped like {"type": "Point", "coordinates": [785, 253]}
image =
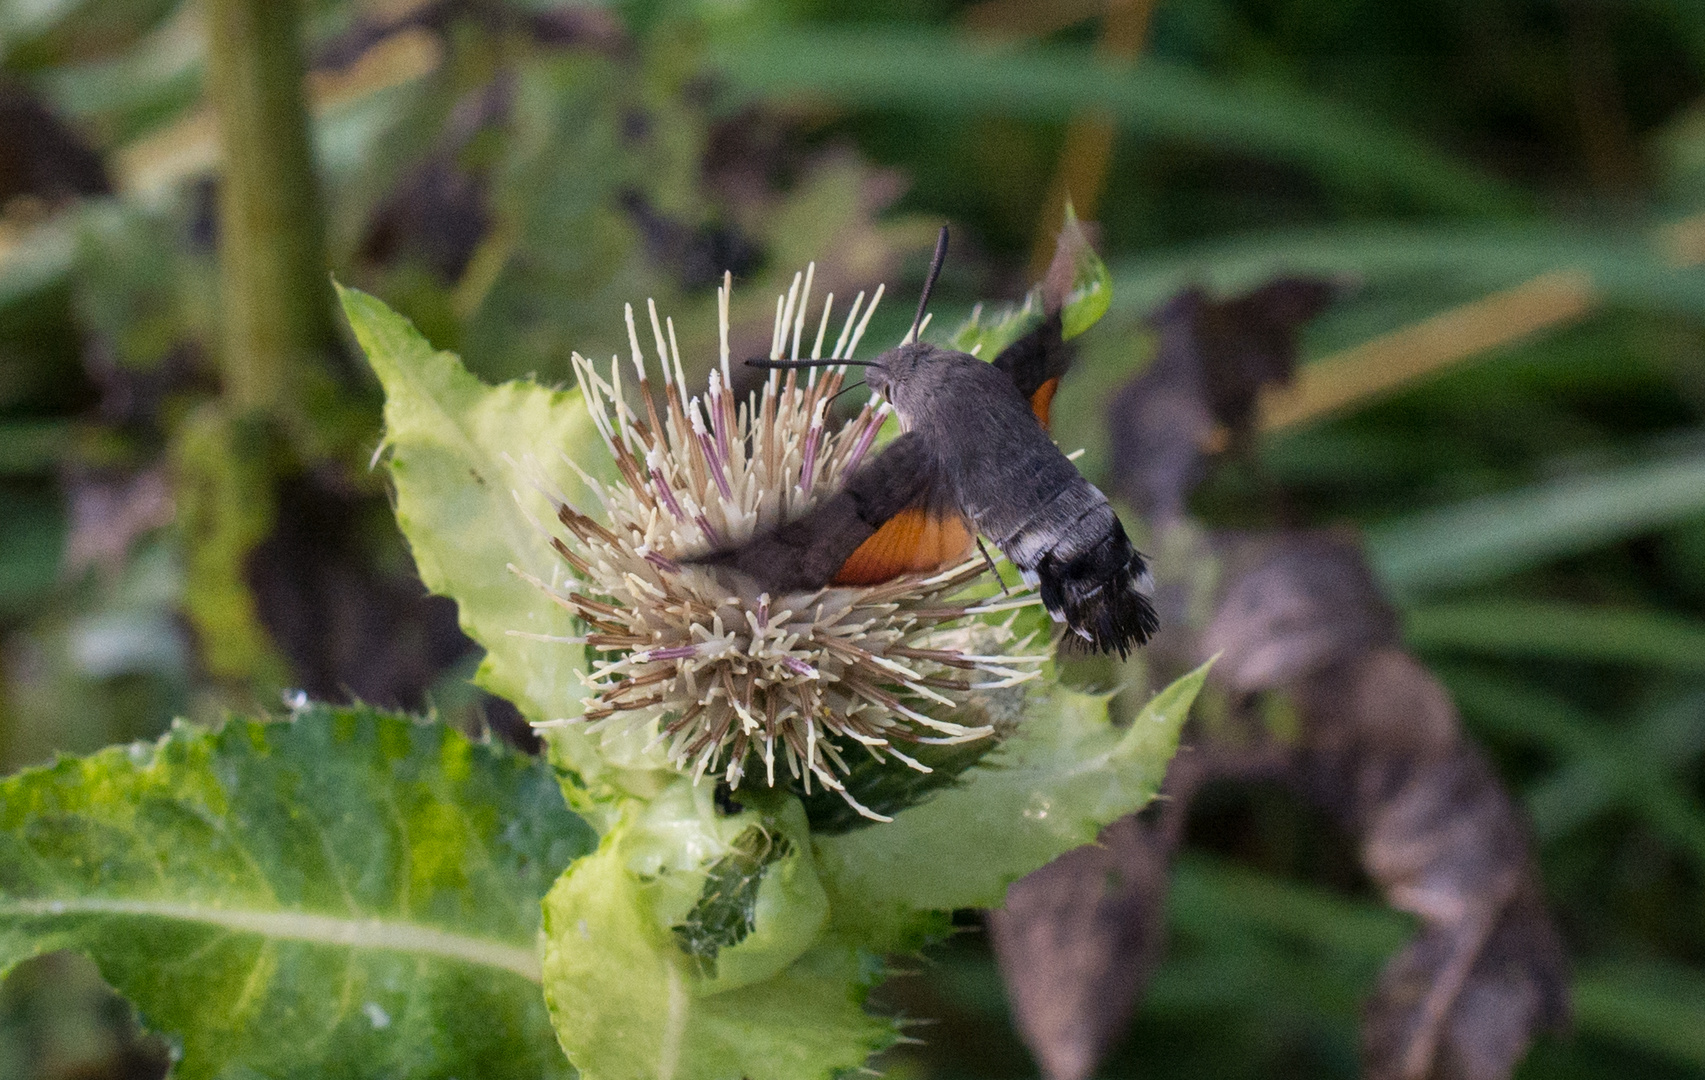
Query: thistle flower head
{"type": "Point", "coordinates": [730, 683]}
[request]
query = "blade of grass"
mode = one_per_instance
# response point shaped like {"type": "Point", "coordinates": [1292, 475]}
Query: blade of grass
{"type": "Point", "coordinates": [1557, 280]}
{"type": "Point", "coordinates": [1560, 631]}
{"type": "Point", "coordinates": [1087, 152]}
{"type": "Point", "coordinates": [1496, 535]}
{"type": "Point", "coordinates": [1655, 1007]}
{"type": "Point", "coordinates": [926, 71]}
{"type": "Point", "coordinates": [1627, 268]}
{"type": "Point", "coordinates": [1393, 360]}
{"type": "Point", "coordinates": [1602, 766]}
{"type": "Point", "coordinates": [32, 446]}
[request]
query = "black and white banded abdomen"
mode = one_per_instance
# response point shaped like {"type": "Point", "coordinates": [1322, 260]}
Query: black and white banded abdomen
{"type": "Point", "coordinates": [1075, 551]}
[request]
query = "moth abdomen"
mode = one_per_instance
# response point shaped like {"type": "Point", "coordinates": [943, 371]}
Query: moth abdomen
{"type": "Point", "coordinates": [1098, 586]}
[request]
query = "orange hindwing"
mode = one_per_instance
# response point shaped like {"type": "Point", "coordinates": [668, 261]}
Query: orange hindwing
{"type": "Point", "coordinates": [916, 541]}
{"type": "Point", "coordinates": [1042, 401]}
{"type": "Point", "coordinates": [912, 541]}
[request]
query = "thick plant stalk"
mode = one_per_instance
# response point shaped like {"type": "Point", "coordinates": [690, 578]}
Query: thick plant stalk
{"type": "Point", "coordinates": [276, 300]}
{"type": "Point", "coordinates": [276, 334]}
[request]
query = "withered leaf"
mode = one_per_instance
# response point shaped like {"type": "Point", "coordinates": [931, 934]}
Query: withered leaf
{"type": "Point", "coordinates": [1442, 839]}
{"type": "Point", "coordinates": [1381, 748]}
{"type": "Point", "coordinates": [1295, 603]}
{"type": "Point", "coordinates": [1211, 361]}
{"type": "Point", "coordinates": [1076, 942]}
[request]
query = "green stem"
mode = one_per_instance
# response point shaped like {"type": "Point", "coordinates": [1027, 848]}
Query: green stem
{"type": "Point", "coordinates": [277, 303]}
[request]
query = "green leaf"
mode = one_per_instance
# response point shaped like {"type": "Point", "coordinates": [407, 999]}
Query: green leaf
{"type": "Point", "coordinates": [1091, 292]}
{"type": "Point", "coordinates": [1087, 299]}
{"type": "Point", "coordinates": [1497, 535]}
{"type": "Point", "coordinates": [32, 446]}
{"type": "Point", "coordinates": [152, 82]}
{"type": "Point", "coordinates": [799, 920]}
{"type": "Point", "coordinates": [985, 340]}
{"type": "Point", "coordinates": [1051, 787]}
{"type": "Point", "coordinates": [32, 534]}
{"type": "Point", "coordinates": [1656, 1007]}
{"type": "Point", "coordinates": [628, 932]}
{"type": "Point", "coordinates": [562, 256]}
{"type": "Point", "coordinates": [928, 71]}
{"type": "Point", "coordinates": [38, 259]}
{"type": "Point", "coordinates": [458, 453]}
{"type": "Point", "coordinates": [347, 893]}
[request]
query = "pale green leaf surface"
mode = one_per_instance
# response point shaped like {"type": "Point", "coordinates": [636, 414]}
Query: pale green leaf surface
{"type": "Point", "coordinates": [457, 450]}
{"type": "Point", "coordinates": [986, 339]}
{"type": "Point", "coordinates": [1051, 787]}
{"type": "Point", "coordinates": [630, 1004]}
{"type": "Point", "coordinates": [330, 896]}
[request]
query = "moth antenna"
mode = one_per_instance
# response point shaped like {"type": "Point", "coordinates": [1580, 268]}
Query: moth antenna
{"type": "Point", "coordinates": [760, 362]}
{"type": "Point", "coordinates": [929, 282]}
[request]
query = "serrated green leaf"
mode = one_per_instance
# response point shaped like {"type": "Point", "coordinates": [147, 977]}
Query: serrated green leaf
{"type": "Point", "coordinates": [1091, 292]}
{"type": "Point", "coordinates": [986, 339]}
{"type": "Point", "coordinates": [631, 1002]}
{"type": "Point", "coordinates": [1086, 300]}
{"type": "Point", "coordinates": [336, 895]}
{"type": "Point", "coordinates": [1051, 787]}
{"type": "Point", "coordinates": [633, 999]}
{"type": "Point", "coordinates": [461, 454]}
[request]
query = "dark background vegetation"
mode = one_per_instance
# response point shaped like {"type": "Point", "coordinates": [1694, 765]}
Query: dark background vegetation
{"type": "Point", "coordinates": [1503, 189]}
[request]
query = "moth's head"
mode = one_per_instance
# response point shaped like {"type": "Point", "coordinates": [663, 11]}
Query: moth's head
{"type": "Point", "coordinates": [898, 373]}
{"type": "Point", "coordinates": [897, 370]}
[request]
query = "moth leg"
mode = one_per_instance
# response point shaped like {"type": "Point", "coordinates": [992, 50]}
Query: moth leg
{"type": "Point", "coordinates": [991, 565]}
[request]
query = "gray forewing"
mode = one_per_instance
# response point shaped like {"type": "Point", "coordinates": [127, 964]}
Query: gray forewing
{"type": "Point", "coordinates": [1006, 472]}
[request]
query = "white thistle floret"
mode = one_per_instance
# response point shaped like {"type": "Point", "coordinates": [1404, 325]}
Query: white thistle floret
{"type": "Point", "coordinates": [725, 681]}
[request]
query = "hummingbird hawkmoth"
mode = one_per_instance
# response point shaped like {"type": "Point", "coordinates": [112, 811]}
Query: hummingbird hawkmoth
{"type": "Point", "coordinates": [974, 457]}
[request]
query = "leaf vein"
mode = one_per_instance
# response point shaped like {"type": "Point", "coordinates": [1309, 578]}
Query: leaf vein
{"type": "Point", "coordinates": [328, 930]}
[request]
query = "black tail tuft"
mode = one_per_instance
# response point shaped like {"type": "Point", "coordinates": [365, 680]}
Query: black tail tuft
{"type": "Point", "coordinates": [1100, 596]}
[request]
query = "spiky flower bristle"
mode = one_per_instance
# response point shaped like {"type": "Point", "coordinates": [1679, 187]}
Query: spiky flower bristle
{"type": "Point", "coordinates": [725, 681]}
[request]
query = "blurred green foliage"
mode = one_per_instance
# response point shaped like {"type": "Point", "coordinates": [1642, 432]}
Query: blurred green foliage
{"type": "Point", "coordinates": [508, 173]}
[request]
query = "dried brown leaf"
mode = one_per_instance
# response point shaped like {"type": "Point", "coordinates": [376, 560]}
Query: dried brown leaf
{"type": "Point", "coordinates": [1442, 839]}
{"type": "Point", "coordinates": [1381, 748]}
{"type": "Point", "coordinates": [1295, 603]}
{"type": "Point", "coordinates": [1076, 942]}
{"type": "Point", "coordinates": [1212, 359]}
